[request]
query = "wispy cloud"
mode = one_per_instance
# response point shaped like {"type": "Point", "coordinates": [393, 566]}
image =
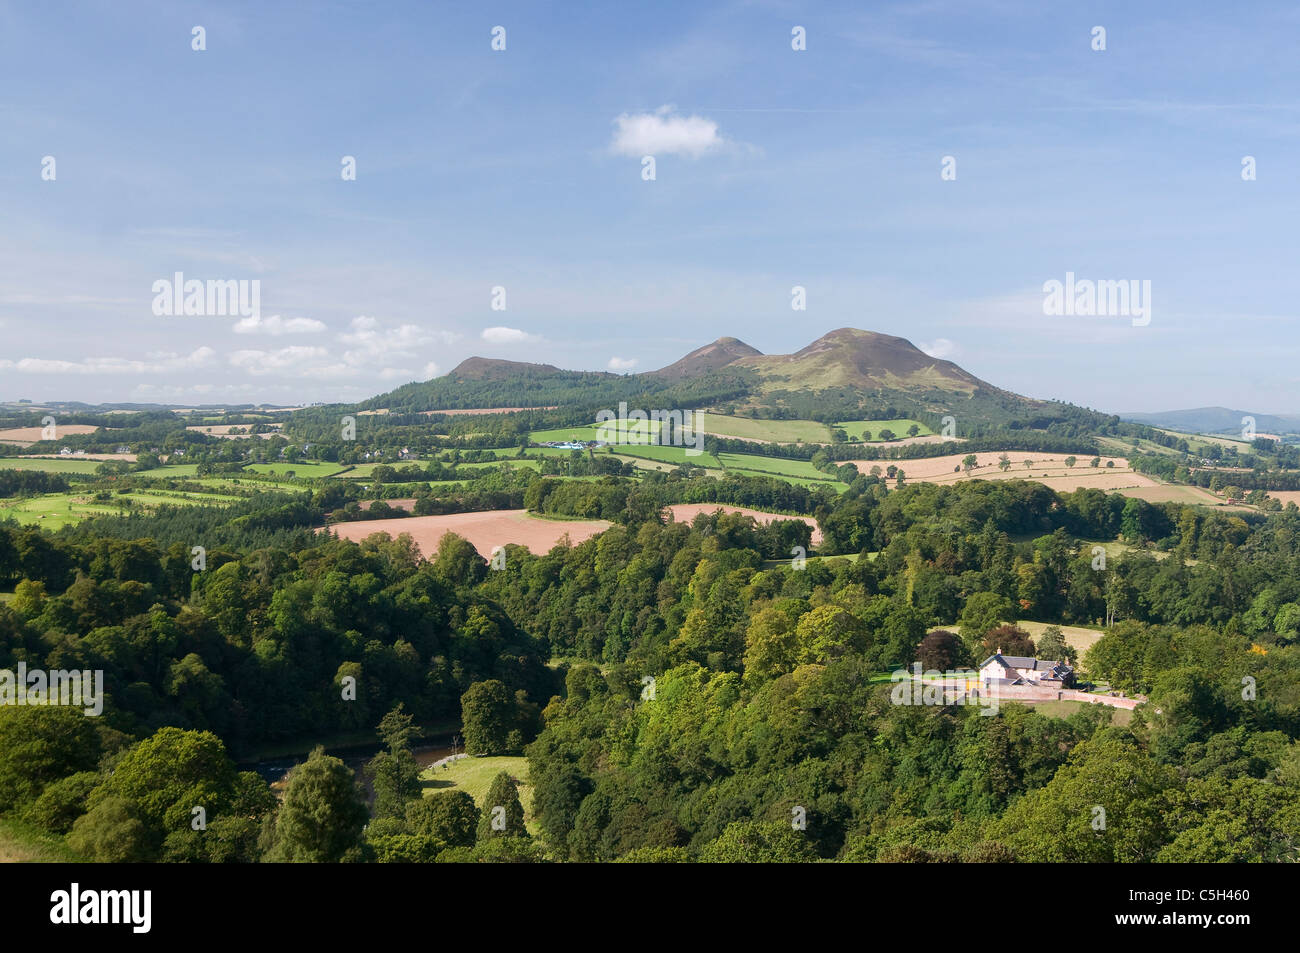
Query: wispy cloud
{"type": "Point", "coordinates": [939, 347]}
{"type": "Point", "coordinates": [154, 363]}
{"type": "Point", "coordinates": [268, 362]}
{"type": "Point", "coordinates": [275, 325]}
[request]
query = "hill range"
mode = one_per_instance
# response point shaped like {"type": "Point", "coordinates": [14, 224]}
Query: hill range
{"type": "Point", "coordinates": [844, 374]}
{"type": "Point", "coordinates": [1217, 420]}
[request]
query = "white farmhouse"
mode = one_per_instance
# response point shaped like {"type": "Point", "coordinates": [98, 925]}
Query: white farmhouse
{"type": "Point", "coordinates": [1004, 670]}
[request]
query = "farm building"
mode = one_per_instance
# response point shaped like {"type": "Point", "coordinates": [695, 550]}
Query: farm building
{"type": "Point", "coordinates": [1006, 670]}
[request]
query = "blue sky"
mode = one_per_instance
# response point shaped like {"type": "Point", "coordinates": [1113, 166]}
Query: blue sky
{"type": "Point", "coordinates": [522, 169]}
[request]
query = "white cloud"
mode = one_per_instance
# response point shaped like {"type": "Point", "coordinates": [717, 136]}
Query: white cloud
{"type": "Point", "coordinates": [155, 363]}
{"type": "Point", "coordinates": [622, 363]}
{"type": "Point", "coordinates": [430, 370]}
{"type": "Point", "coordinates": [939, 347]}
{"type": "Point", "coordinates": [275, 325]}
{"type": "Point", "coordinates": [268, 362]}
{"type": "Point", "coordinates": [663, 133]}
{"type": "Point", "coordinates": [372, 351]}
{"type": "Point", "coordinates": [508, 336]}
{"type": "Point", "coordinates": [369, 343]}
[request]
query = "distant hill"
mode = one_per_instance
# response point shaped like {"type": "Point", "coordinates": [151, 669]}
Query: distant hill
{"type": "Point", "coordinates": [490, 368]}
{"type": "Point", "coordinates": [868, 361]}
{"type": "Point", "coordinates": [707, 359]}
{"type": "Point", "coordinates": [1211, 420]}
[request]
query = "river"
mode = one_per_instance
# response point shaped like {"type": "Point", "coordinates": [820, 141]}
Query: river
{"type": "Point", "coordinates": [426, 751]}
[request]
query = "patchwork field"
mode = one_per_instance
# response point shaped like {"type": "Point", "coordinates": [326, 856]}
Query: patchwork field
{"type": "Point", "coordinates": [685, 512]}
{"type": "Point", "coordinates": [759, 430]}
{"type": "Point", "coordinates": [485, 530]}
{"type": "Point", "coordinates": [1049, 469]}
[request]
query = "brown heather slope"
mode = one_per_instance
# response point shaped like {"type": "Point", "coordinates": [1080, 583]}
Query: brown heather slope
{"type": "Point", "coordinates": [491, 368]}
{"type": "Point", "coordinates": [702, 360]}
{"type": "Point", "coordinates": [848, 357]}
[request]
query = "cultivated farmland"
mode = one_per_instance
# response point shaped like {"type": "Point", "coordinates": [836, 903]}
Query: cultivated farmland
{"type": "Point", "coordinates": [485, 530]}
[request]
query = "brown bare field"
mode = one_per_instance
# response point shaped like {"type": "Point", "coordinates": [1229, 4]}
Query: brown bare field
{"type": "Point", "coordinates": [223, 431]}
{"type": "Point", "coordinates": [1286, 496]}
{"type": "Point", "coordinates": [485, 530]}
{"type": "Point", "coordinates": [685, 512]}
{"type": "Point", "coordinates": [1178, 493]}
{"type": "Point", "coordinates": [479, 411]}
{"type": "Point", "coordinates": [26, 436]}
{"type": "Point", "coordinates": [1049, 469]}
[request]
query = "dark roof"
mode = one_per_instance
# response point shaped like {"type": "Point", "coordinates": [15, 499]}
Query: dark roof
{"type": "Point", "coordinates": [1004, 681]}
{"type": "Point", "coordinates": [1030, 664]}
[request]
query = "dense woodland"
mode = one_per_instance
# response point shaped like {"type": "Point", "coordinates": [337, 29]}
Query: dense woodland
{"type": "Point", "coordinates": [772, 693]}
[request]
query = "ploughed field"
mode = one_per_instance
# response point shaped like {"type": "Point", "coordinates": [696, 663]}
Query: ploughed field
{"type": "Point", "coordinates": [485, 531]}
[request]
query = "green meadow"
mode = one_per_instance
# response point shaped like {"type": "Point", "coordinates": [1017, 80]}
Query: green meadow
{"type": "Point", "coordinates": [60, 465]}
{"type": "Point", "coordinates": [302, 469]}
{"type": "Point", "coordinates": [773, 466]}
{"type": "Point", "coordinates": [53, 511]}
{"type": "Point", "coordinates": [773, 431]}
{"type": "Point", "coordinates": [899, 426]}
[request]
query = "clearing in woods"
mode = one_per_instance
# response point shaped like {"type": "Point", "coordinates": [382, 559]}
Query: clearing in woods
{"type": "Point", "coordinates": [474, 776]}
